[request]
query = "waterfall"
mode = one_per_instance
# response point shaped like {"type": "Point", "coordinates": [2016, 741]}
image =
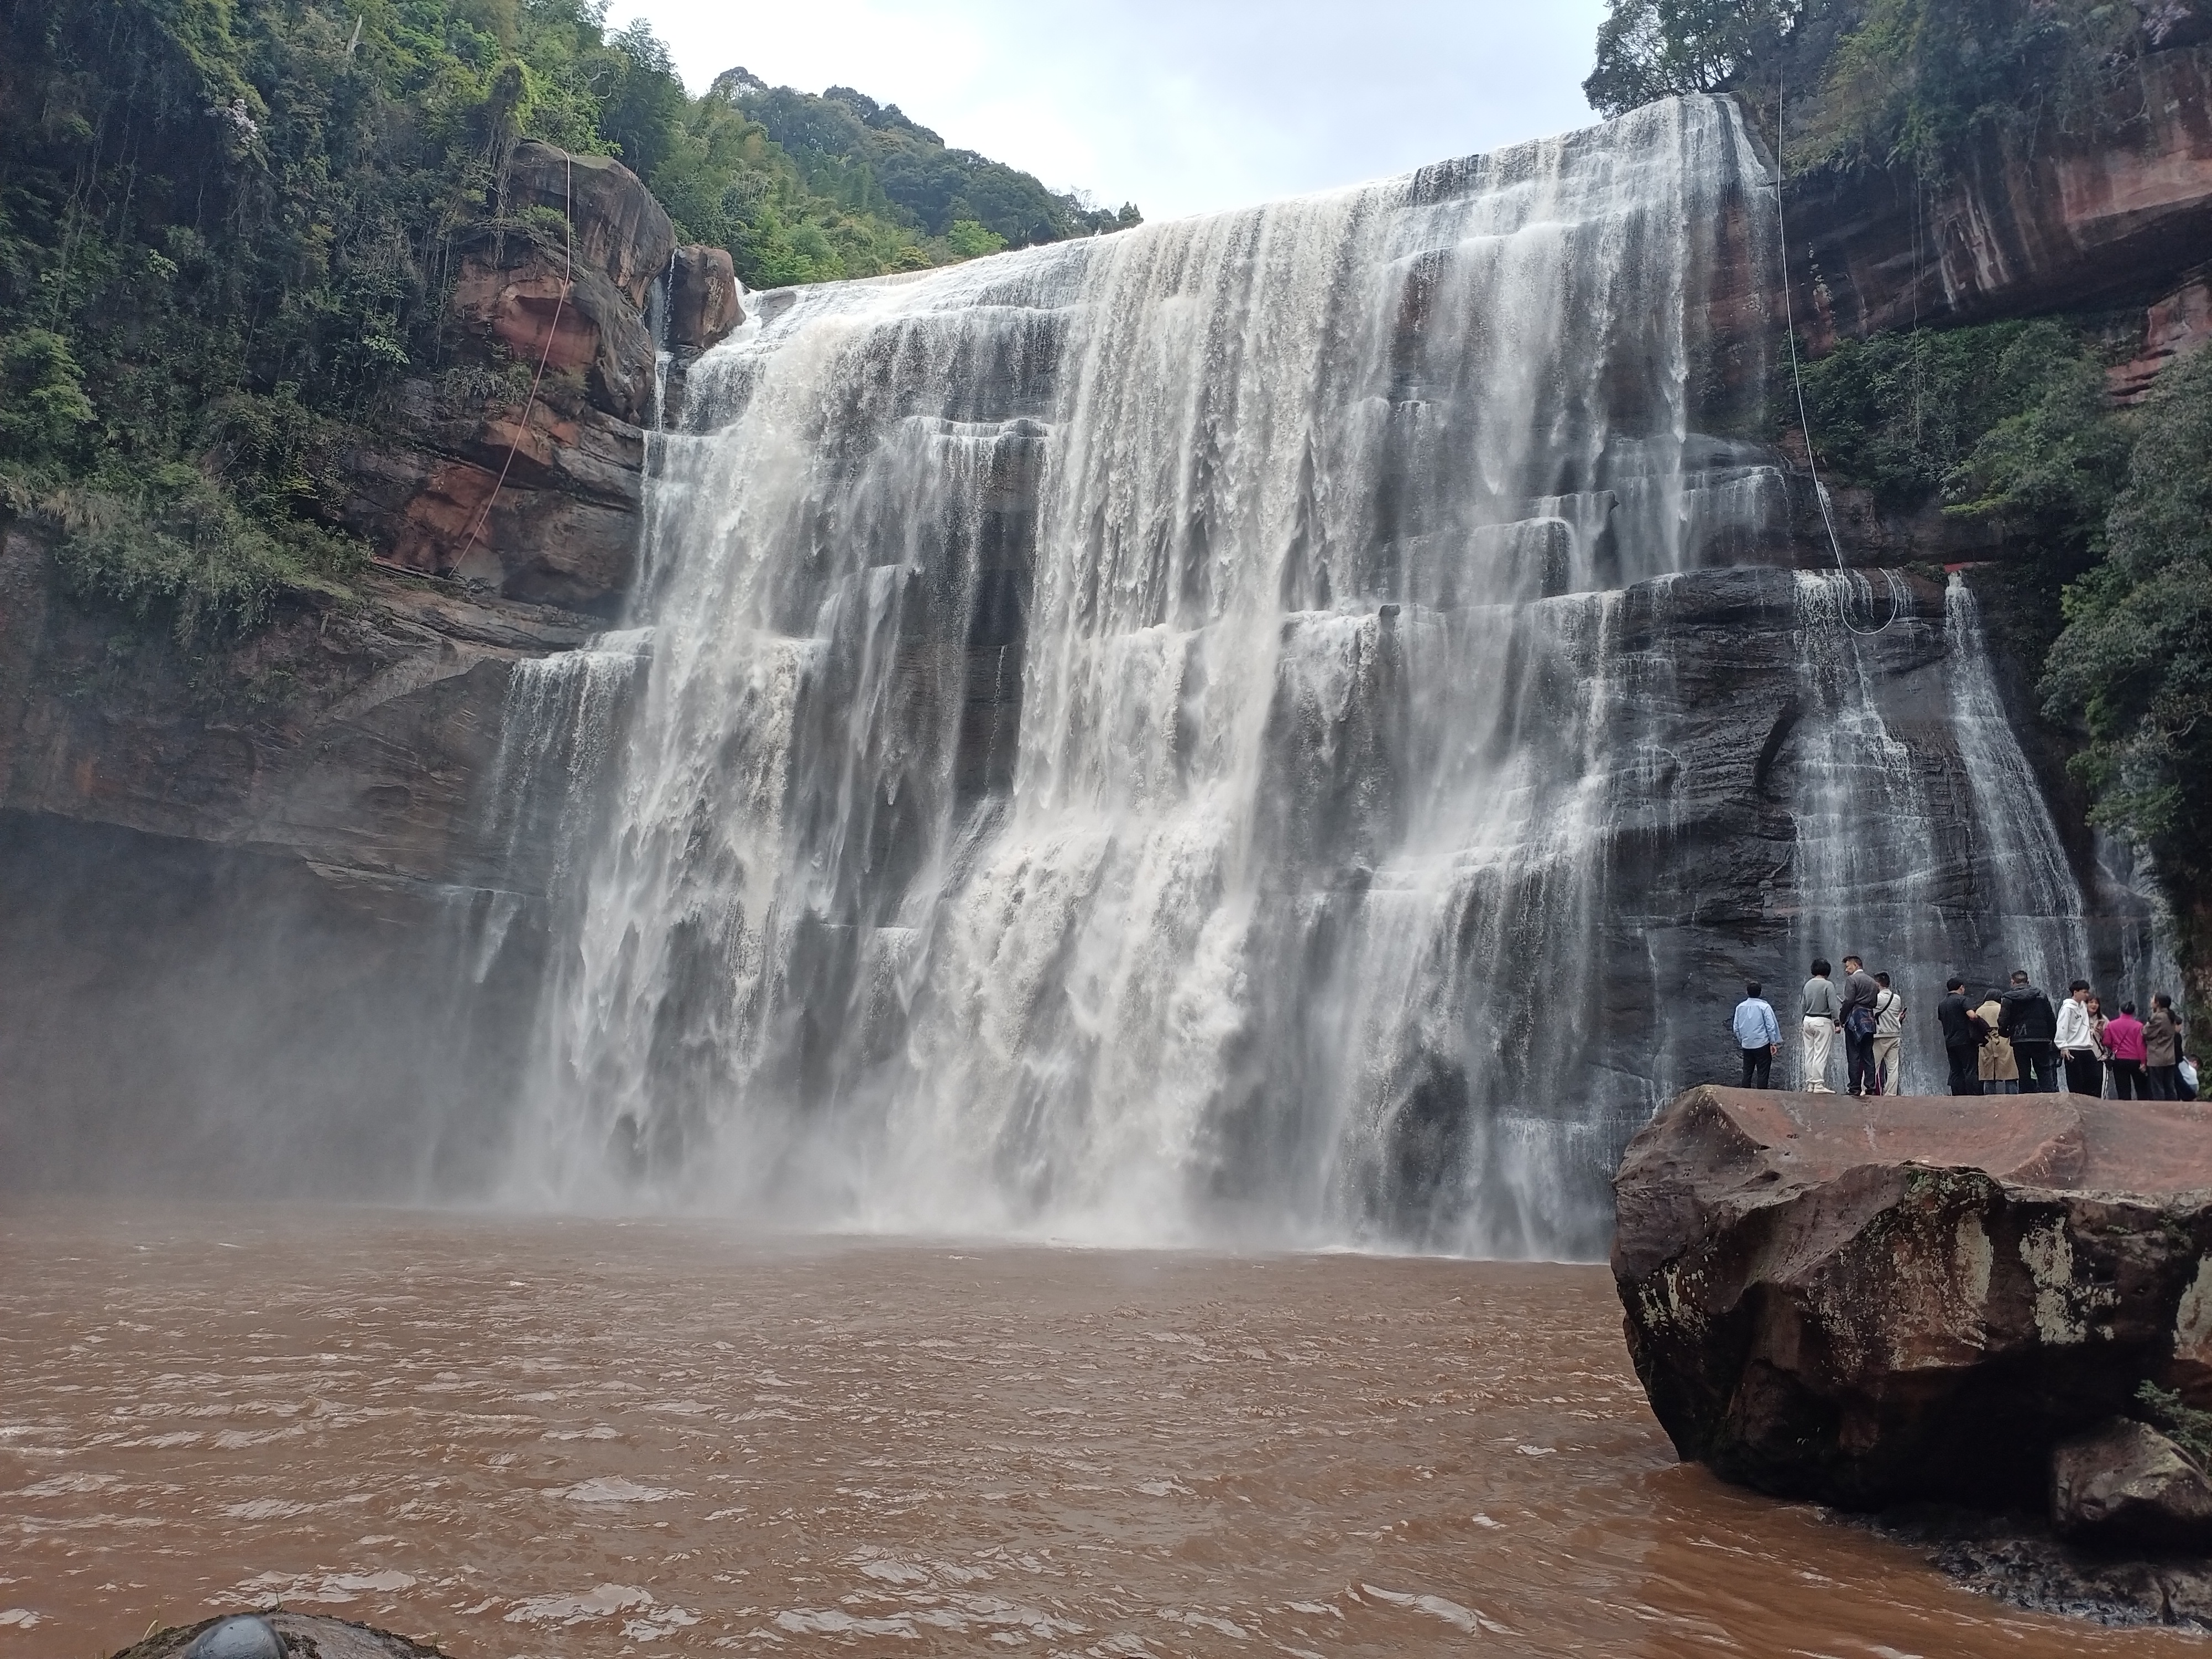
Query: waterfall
{"type": "Point", "coordinates": [2036, 904]}
{"type": "Point", "coordinates": [1175, 736]}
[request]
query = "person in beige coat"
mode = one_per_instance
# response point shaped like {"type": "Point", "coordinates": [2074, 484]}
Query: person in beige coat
{"type": "Point", "coordinates": [2000, 1069]}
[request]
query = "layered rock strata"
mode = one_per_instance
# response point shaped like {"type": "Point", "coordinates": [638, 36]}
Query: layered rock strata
{"type": "Point", "coordinates": [2038, 221]}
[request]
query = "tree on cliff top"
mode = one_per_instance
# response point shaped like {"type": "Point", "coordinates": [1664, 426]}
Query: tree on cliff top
{"type": "Point", "coordinates": [1654, 48]}
{"type": "Point", "coordinates": [1873, 81]}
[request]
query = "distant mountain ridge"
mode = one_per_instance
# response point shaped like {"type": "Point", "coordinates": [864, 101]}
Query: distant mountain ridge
{"type": "Point", "coordinates": [874, 158]}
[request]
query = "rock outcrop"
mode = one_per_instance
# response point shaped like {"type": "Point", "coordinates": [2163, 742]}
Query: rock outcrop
{"type": "Point", "coordinates": [620, 230]}
{"type": "Point", "coordinates": [353, 739]}
{"type": "Point", "coordinates": [2126, 1483]}
{"type": "Point", "coordinates": [1869, 1303]}
{"type": "Point", "coordinates": [520, 470]}
{"type": "Point", "coordinates": [2116, 213]}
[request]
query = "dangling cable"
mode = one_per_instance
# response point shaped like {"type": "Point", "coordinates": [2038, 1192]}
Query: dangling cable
{"type": "Point", "coordinates": [529, 403]}
{"type": "Point", "coordinates": [1804, 421]}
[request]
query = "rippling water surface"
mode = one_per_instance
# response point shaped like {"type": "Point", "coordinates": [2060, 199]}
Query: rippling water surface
{"type": "Point", "coordinates": [525, 1437]}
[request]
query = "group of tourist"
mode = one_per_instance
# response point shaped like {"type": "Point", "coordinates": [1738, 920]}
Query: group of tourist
{"type": "Point", "coordinates": [2012, 1041]}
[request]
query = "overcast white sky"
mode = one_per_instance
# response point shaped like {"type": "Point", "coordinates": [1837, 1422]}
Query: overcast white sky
{"type": "Point", "coordinates": [1181, 106]}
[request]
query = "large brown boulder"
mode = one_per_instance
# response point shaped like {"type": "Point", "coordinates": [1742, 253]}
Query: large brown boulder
{"type": "Point", "coordinates": [1867, 1302]}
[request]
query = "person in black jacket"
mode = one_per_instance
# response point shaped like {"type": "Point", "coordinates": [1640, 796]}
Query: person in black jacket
{"type": "Point", "coordinates": [2031, 1024]}
{"type": "Point", "coordinates": [1962, 1038]}
{"type": "Point", "coordinates": [1857, 1019]}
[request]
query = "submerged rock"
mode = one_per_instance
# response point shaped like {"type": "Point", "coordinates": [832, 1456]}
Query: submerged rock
{"type": "Point", "coordinates": [1870, 1303]}
{"type": "Point", "coordinates": [248, 1636]}
{"type": "Point", "coordinates": [2016, 1560]}
{"type": "Point", "coordinates": [277, 1636]}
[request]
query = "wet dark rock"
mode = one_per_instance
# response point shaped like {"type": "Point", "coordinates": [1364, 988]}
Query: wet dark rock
{"type": "Point", "coordinates": [2125, 1484]}
{"type": "Point", "coordinates": [248, 1636]}
{"type": "Point", "coordinates": [2016, 1560]}
{"type": "Point", "coordinates": [1874, 1302]}
{"type": "Point", "coordinates": [278, 1635]}
{"type": "Point", "coordinates": [702, 299]}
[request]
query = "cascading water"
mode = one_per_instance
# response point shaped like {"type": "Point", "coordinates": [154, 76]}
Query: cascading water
{"type": "Point", "coordinates": [1165, 736]}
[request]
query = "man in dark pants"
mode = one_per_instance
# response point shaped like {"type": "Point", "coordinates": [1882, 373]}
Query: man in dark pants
{"type": "Point", "coordinates": [2162, 1044]}
{"type": "Point", "coordinates": [1860, 993]}
{"type": "Point", "coordinates": [1962, 1038]}
{"type": "Point", "coordinates": [2029, 1020]}
{"type": "Point", "coordinates": [1758, 1034]}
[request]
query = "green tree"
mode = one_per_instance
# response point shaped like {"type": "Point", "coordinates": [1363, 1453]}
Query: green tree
{"type": "Point", "coordinates": [1653, 49]}
{"type": "Point", "coordinates": [44, 415]}
{"type": "Point", "coordinates": [971, 241]}
{"type": "Point", "coordinates": [2134, 663]}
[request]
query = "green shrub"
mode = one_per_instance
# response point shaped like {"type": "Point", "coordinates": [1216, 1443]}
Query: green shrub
{"type": "Point", "coordinates": [971, 241]}
{"type": "Point", "coordinates": [45, 415]}
{"type": "Point", "coordinates": [2008, 418]}
{"type": "Point", "coordinates": [2182, 1423]}
{"type": "Point", "coordinates": [173, 550]}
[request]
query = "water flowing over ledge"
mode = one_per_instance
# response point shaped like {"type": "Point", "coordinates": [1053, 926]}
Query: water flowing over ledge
{"type": "Point", "coordinates": [1282, 727]}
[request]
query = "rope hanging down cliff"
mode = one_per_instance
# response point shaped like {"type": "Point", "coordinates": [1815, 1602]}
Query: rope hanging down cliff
{"type": "Point", "coordinates": [529, 403]}
{"type": "Point", "coordinates": [1804, 421]}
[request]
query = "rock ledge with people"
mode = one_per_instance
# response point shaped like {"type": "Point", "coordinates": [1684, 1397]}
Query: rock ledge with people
{"type": "Point", "coordinates": [1987, 1321]}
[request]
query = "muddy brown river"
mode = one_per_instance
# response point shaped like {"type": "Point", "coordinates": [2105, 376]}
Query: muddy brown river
{"type": "Point", "coordinates": [551, 1437]}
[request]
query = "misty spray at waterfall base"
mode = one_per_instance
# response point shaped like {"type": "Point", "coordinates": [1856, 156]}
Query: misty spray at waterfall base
{"type": "Point", "coordinates": [1289, 727]}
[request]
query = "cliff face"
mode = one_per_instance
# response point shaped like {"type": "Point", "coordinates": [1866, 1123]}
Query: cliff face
{"type": "Point", "coordinates": [2043, 222]}
{"type": "Point", "coordinates": [305, 834]}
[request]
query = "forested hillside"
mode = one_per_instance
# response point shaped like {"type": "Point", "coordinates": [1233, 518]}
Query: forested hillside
{"type": "Point", "coordinates": [228, 227]}
{"type": "Point", "coordinates": [2103, 510]}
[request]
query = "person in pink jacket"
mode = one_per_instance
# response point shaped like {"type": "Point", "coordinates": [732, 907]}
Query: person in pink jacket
{"type": "Point", "coordinates": [2124, 1042]}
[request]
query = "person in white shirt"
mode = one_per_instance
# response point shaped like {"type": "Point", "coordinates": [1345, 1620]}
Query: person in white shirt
{"type": "Point", "coordinates": [1888, 1035]}
{"type": "Point", "coordinates": [2077, 1043]}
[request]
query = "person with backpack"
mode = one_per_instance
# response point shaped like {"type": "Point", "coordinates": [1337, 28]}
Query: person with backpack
{"type": "Point", "coordinates": [1822, 1014]}
{"type": "Point", "coordinates": [2030, 1024]}
{"type": "Point", "coordinates": [2162, 1050]}
{"type": "Point", "coordinates": [2123, 1041]}
{"type": "Point", "coordinates": [1962, 1036]}
{"type": "Point", "coordinates": [1888, 1035]}
{"type": "Point", "coordinates": [1758, 1034]}
{"type": "Point", "coordinates": [2077, 1042]}
{"type": "Point", "coordinates": [1857, 1019]}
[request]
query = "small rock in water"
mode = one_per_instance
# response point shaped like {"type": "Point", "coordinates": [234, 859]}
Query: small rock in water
{"type": "Point", "coordinates": [245, 1637]}
{"type": "Point", "coordinates": [278, 1635]}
